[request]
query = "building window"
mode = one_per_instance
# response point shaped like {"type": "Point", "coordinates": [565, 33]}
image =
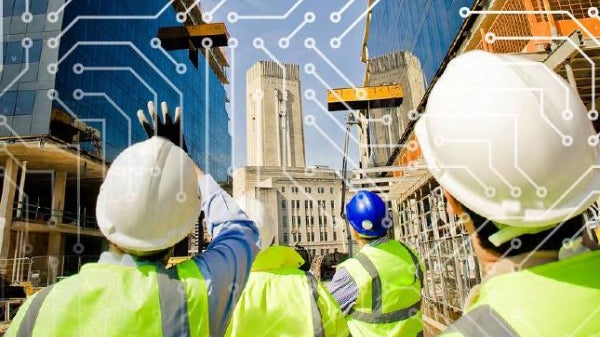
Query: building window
{"type": "Point", "coordinates": [331, 190]}
{"type": "Point", "coordinates": [285, 237]}
{"type": "Point", "coordinates": [17, 103]}
{"type": "Point", "coordinates": [325, 236]}
{"type": "Point", "coordinates": [293, 204]}
{"type": "Point", "coordinates": [17, 7]}
{"type": "Point", "coordinates": [305, 203]}
{"type": "Point", "coordinates": [307, 189]}
{"type": "Point", "coordinates": [294, 236]}
{"type": "Point", "coordinates": [299, 236]}
{"type": "Point", "coordinates": [298, 220]}
{"type": "Point", "coordinates": [325, 221]}
{"type": "Point", "coordinates": [332, 204]}
{"type": "Point", "coordinates": [313, 236]}
{"type": "Point", "coordinates": [334, 236]}
{"type": "Point", "coordinates": [327, 251]}
{"type": "Point", "coordinates": [283, 204]}
{"type": "Point", "coordinates": [321, 236]}
{"type": "Point", "coordinates": [312, 220]}
{"type": "Point", "coordinates": [294, 189]}
{"type": "Point", "coordinates": [322, 252]}
{"type": "Point", "coordinates": [284, 221]}
{"type": "Point", "coordinates": [282, 189]}
{"type": "Point", "coordinates": [320, 190]}
{"type": "Point", "coordinates": [310, 204]}
{"type": "Point", "coordinates": [14, 52]}
{"type": "Point", "coordinates": [293, 221]}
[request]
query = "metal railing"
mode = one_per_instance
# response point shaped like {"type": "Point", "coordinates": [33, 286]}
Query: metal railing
{"type": "Point", "coordinates": [44, 269]}
{"type": "Point", "coordinates": [46, 215]}
{"type": "Point", "coordinates": [16, 270]}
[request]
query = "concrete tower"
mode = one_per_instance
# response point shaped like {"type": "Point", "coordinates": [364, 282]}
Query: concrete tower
{"type": "Point", "coordinates": [275, 135]}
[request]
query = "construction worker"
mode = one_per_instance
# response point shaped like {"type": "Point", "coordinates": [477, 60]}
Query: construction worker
{"type": "Point", "coordinates": [148, 202]}
{"type": "Point", "coordinates": [279, 298]}
{"type": "Point", "coordinates": [514, 149]}
{"type": "Point", "coordinates": [379, 289]}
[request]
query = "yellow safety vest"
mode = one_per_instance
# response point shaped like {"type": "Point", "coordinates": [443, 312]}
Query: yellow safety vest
{"type": "Point", "coordinates": [554, 299]}
{"type": "Point", "coordinates": [389, 278]}
{"type": "Point", "coordinates": [114, 301]}
{"type": "Point", "coordinates": [282, 300]}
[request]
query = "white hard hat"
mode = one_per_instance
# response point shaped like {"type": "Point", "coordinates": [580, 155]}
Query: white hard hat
{"type": "Point", "coordinates": [257, 211]}
{"type": "Point", "coordinates": [509, 139]}
{"type": "Point", "coordinates": [149, 199]}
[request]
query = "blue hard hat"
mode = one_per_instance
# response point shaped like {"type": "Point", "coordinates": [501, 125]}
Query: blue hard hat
{"type": "Point", "coordinates": [367, 214]}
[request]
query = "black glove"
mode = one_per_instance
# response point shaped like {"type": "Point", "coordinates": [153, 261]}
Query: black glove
{"type": "Point", "coordinates": [169, 129]}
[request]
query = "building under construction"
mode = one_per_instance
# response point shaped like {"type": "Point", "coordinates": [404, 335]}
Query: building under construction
{"type": "Point", "coordinates": [69, 92]}
{"type": "Point", "coordinates": [412, 50]}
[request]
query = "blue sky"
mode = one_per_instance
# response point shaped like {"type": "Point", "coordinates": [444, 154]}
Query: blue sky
{"type": "Point", "coordinates": [322, 146]}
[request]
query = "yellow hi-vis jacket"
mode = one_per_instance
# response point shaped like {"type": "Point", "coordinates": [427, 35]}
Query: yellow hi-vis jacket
{"type": "Point", "coordinates": [554, 299]}
{"type": "Point", "coordinates": [115, 301]}
{"type": "Point", "coordinates": [389, 278]}
{"type": "Point", "coordinates": [282, 300]}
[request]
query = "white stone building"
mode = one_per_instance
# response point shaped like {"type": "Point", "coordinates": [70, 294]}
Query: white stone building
{"type": "Point", "coordinates": [304, 201]}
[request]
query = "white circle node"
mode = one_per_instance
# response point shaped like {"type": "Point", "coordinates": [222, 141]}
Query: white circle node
{"type": "Point", "coordinates": [155, 42]}
{"type": "Point", "coordinates": [335, 43]}
{"type": "Point", "coordinates": [258, 43]}
{"type": "Point", "coordinates": [284, 43]}
{"type": "Point", "coordinates": [309, 94]}
{"type": "Point", "coordinates": [309, 68]}
{"type": "Point", "coordinates": [309, 120]}
{"type": "Point", "coordinates": [233, 17]}
{"type": "Point", "coordinates": [26, 17]}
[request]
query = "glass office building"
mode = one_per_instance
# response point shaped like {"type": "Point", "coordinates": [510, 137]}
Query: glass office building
{"type": "Point", "coordinates": [425, 28]}
{"type": "Point", "coordinates": [100, 61]}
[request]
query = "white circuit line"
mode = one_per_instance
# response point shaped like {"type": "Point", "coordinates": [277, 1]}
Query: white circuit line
{"type": "Point", "coordinates": [271, 17]}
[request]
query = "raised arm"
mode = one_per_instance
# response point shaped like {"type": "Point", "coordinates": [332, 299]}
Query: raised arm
{"type": "Point", "coordinates": [226, 262]}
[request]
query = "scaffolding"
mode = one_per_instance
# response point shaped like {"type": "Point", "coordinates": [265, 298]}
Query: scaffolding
{"type": "Point", "coordinates": [558, 33]}
{"type": "Point", "coordinates": [445, 249]}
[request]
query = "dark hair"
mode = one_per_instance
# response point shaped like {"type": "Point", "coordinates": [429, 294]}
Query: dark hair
{"type": "Point", "coordinates": [552, 238]}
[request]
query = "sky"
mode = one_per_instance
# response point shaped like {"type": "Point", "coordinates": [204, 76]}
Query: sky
{"type": "Point", "coordinates": [296, 21]}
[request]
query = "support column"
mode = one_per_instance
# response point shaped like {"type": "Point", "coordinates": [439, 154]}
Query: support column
{"type": "Point", "coordinates": [55, 239]}
{"type": "Point", "coordinates": [9, 187]}
{"type": "Point", "coordinates": [55, 245]}
{"type": "Point", "coordinates": [21, 205]}
{"type": "Point", "coordinates": [58, 196]}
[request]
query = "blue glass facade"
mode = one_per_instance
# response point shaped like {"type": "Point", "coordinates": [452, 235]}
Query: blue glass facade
{"type": "Point", "coordinates": [426, 28]}
{"type": "Point", "coordinates": [107, 70]}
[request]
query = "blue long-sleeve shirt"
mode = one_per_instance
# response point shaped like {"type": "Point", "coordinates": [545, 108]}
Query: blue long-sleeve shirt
{"type": "Point", "coordinates": [227, 260]}
{"type": "Point", "coordinates": [343, 287]}
{"type": "Point", "coordinates": [226, 263]}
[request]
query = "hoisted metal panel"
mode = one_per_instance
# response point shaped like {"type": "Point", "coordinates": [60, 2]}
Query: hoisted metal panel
{"type": "Point", "coordinates": [384, 96]}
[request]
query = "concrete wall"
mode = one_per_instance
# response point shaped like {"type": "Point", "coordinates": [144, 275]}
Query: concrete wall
{"type": "Point", "coordinates": [388, 124]}
{"type": "Point", "coordinates": [266, 99]}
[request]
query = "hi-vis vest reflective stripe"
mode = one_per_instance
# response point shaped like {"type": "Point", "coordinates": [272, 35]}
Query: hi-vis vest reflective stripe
{"type": "Point", "coordinates": [554, 299]}
{"type": "Point", "coordinates": [281, 300]}
{"type": "Point", "coordinates": [112, 300]}
{"type": "Point", "coordinates": [389, 278]}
